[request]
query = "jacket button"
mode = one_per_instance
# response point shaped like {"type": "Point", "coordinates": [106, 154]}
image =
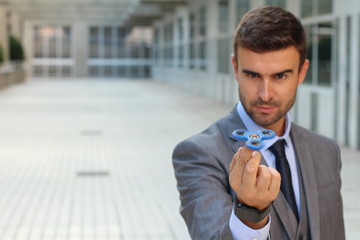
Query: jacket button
{"type": "Point", "coordinates": [301, 237]}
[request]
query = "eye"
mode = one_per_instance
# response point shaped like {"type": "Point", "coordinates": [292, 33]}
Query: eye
{"type": "Point", "coordinates": [252, 75]}
{"type": "Point", "coordinates": [280, 76]}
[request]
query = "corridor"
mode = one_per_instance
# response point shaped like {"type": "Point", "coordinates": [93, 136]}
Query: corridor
{"type": "Point", "coordinates": [85, 159]}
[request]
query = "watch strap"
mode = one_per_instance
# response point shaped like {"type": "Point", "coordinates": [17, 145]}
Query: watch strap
{"type": "Point", "coordinates": [248, 213]}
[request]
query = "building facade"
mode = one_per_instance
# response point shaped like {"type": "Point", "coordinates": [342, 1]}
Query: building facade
{"type": "Point", "coordinates": [194, 45]}
{"type": "Point", "coordinates": [189, 43]}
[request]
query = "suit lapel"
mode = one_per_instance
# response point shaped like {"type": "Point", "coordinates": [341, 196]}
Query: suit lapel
{"type": "Point", "coordinates": [308, 177]}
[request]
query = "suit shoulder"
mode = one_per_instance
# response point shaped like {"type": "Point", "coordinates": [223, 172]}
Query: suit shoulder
{"type": "Point", "coordinates": [306, 133]}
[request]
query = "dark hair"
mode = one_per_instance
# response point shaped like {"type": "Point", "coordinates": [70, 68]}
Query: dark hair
{"type": "Point", "coordinates": [270, 28]}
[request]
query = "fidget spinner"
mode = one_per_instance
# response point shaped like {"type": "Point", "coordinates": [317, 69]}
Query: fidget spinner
{"type": "Point", "coordinates": [254, 139]}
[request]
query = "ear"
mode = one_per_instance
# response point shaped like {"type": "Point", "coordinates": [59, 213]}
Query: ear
{"type": "Point", "coordinates": [234, 65]}
{"type": "Point", "coordinates": [303, 71]}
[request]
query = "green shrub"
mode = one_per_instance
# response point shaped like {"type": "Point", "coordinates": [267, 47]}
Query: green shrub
{"type": "Point", "coordinates": [16, 51]}
{"type": "Point", "coordinates": [1, 55]}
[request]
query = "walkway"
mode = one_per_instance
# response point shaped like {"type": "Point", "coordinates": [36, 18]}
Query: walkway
{"type": "Point", "coordinates": [91, 160]}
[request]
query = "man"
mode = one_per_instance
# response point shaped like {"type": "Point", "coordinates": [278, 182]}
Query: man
{"type": "Point", "coordinates": [228, 191]}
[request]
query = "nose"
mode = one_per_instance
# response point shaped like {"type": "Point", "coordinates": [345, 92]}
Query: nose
{"type": "Point", "coordinates": [265, 90]}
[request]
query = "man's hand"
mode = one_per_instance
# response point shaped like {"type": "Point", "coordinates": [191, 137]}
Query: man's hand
{"type": "Point", "coordinates": [255, 185]}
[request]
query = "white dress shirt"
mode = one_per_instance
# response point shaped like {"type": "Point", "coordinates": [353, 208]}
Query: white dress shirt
{"type": "Point", "coordinates": [238, 229]}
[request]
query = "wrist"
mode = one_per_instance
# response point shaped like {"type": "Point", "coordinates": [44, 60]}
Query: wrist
{"type": "Point", "coordinates": [257, 225]}
{"type": "Point", "coordinates": [250, 215]}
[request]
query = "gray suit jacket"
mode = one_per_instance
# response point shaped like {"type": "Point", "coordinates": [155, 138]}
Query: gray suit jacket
{"type": "Point", "coordinates": [201, 165]}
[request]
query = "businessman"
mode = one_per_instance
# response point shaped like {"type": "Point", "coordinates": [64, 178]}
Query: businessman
{"type": "Point", "coordinates": [290, 188]}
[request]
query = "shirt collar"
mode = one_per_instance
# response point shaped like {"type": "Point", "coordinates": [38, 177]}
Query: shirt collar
{"type": "Point", "coordinates": [254, 127]}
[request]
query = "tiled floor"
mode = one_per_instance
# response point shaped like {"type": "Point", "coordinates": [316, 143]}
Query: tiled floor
{"type": "Point", "coordinates": [91, 160]}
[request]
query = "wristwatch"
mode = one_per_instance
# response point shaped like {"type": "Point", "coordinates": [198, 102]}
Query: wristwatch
{"type": "Point", "coordinates": [248, 213]}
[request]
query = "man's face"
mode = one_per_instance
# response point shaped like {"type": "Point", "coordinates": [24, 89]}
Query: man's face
{"type": "Point", "coordinates": [267, 84]}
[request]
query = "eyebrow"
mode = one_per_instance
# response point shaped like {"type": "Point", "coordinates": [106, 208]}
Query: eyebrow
{"type": "Point", "coordinates": [256, 73]}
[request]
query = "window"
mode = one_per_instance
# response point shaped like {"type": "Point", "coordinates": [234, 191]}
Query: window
{"type": "Point", "coordinates": [202, 55]}
{"type": "Point", "coordinates": [168, 40]}
{"type": "Point", "coordinates": [223, 44]}
{"type": "Point", "coordinates": [52, 43]}
{"type": "Point", "coordinates": [242, 7]}
{"type": "Point", "coordinates": [108, 41]}
{"type": "Point", "coordinates": [121, 49]}
{"type": "Point", "coordinates": [280, 3]}
{"type": "Point", "coordinates": [191, 48]}
{"type": "Point", "coordinates": [223, 16]}
{"type": "Point", "coordinates": [66, 39]}
{"type": "Point", "coordinates": [320, 53]}
{"type": "Point", "coordinates": [202, 22]}
{"type": "Point", "coordinates": [157, 45]}
{"type": "Point", "coordinates": [180, 42]}
{"type": "Point", "coordinates": [315, 7]}
{"type": "Point", "coordinates": [202, 39]}
{"type": "Point", "coordinates": [115, 51]}
{"type": "Point", "coordinates": [94, 41]}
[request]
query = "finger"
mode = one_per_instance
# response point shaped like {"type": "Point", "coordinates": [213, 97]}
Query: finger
{"type": "Point", "coordinates": [274, 187]}
{"type": "Point", "coordinates": [243, 156]}
{"type": "Point", "coordinates": [235, 158]}
{"type": "Point", "coordinates": [251, 169]}
{"type": "Point", "coordinates": [264, 178]}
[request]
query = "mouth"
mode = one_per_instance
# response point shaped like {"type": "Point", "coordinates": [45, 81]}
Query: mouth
{"type": "Point", "coordinates": [265, 109]}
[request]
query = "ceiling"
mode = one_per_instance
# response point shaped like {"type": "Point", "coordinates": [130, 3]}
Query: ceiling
{"type": "Point", "coordinates": [127, 12]}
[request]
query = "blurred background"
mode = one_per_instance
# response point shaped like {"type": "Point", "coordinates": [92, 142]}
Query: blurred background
{"type": "Point", "coordinates": [87, 83]}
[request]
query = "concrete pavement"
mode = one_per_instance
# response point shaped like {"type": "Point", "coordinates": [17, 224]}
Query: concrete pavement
{"type": "Point", "coordinates": [88, 159]}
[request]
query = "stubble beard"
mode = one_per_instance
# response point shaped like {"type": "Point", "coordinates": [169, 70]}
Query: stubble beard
{"type": "Point", "coordinates": [264, 119]}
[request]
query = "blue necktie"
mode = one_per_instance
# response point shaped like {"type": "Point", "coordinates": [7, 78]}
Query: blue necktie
{"type": "Point", "coordinates": [282, 165]}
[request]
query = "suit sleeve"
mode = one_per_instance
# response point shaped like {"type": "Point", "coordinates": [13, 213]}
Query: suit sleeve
{"type": "Point", "coordinates": [206, 203]}
{"type": "Point", "coordinates": [340, 232]}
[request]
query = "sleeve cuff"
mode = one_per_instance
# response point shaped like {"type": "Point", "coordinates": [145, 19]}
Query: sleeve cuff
{"type": "Point", "coordinates": [240, 231]}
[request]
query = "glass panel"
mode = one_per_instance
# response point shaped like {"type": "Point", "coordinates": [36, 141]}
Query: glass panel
{"type": "Point", "coordinates": [242, 7]}
{"type": "Point", "coordinates": [39, 42]}
{"type": "Point", "coordinates": [202, 55]}
{"type": "Point", "coordinates": [181, 56]}
{"type": "Point", "coordinates": [168, 37]}
{"type": "Point", "coordinates": [309, 54]}
{"type": "Point", "coordinates": [121, 71]}
{"type": "Point", "coordinates": [306, 8]}
{"type": "Point", "coordinates": [280, 3]}
{"type": "Point", "coordinates": [52, 35]}
{"type": "Point", "coordinates": [94, 71]}
{"type": "Point", "coordinates": [223, 55]}
{"type": "Point", "coordinates": [38, 71]}
{"type": "Point", "coordinates": [134, 71]}
{"type": "Point", "coordinates": [52, 71]}
{"type": "Point", "coordinates": [180, 30]}
{"type": "Point", "coordinates": [107, 42]}
{"type": "Point", "coordinates": [202, 22]}
{"type": "Point", "coordinates": [192, 26]}
{"type": "Point", "coordinates": [135, 51]}
{"type": "Point", "coordinates": [66, 71]}
{"type": "Point", "coordinates": [147, 71]}
{"type": "Point", "coordinates": [324, 53]}
{"type": "Point", "coordinates": [192, 55]}
{"type": "Point", "coordinates": [66, 48]}
{"type": "Point", "coordinates": [325, 6]}
{"type": "Point", "coordinates": [94, 42]}
{"type": "Point", "coordinates": [108, 71]}
{"type": "Point", "coordinates": [223, 16]}
{"type": "Point", "coordinates": [147, 52]}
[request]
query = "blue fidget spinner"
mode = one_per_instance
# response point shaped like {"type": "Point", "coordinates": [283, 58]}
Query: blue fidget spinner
{"type": "Point", "coordinates": [254, 139]}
